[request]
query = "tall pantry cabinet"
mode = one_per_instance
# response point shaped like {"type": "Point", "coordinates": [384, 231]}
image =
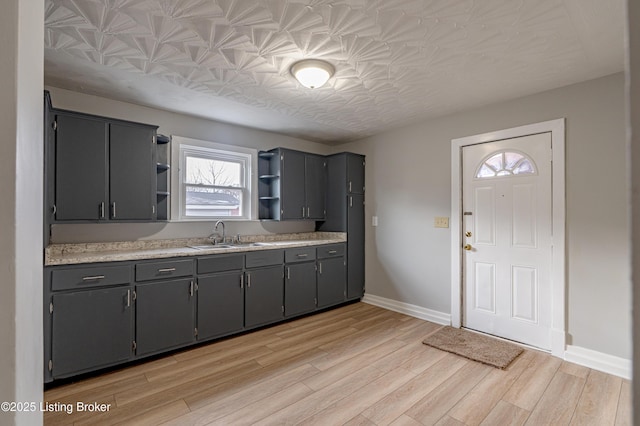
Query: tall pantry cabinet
{"type": "Point", "coordinates": [345, 213]}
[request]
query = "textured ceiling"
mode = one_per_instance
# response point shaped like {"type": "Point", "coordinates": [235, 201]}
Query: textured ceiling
{"type": "Point", "coordinates": [397, 61]}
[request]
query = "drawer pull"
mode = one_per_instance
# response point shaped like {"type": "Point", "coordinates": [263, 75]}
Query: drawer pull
{"type": "Point", "coordinates": [93, 278]}
{"type": "Point", "coordinates": [163, 270]}
{"type": "Point", "coordinates": [332, 251]}
{"type": "Point", "coordinates": [303, 255]}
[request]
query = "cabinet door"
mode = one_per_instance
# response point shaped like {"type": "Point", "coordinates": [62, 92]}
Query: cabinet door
{"type": "Point", "coordinates": [263, 296]}
{"type": "Point", "coordinates": [332, 281]}
{"type": "Point", "coordinates": [315, 186]}
{"type": "Point", "coordinates": [164, 315]}
{"type": "Point", "coordinates": [220, 304]}
{"type": "Point", "coordinates": [132, 172]}
{"type": "Point", "coordinates": [355, 174]}
{"type": "Point", "coordinates": [81, 168]}
{"type": "Point", "coordinates": [299, 288]}
{"type": "Point", "coordinates": [91, 329]}
{"type": "Point", "coordinates": [292, 184]}
{"type": "Point", "coordinates": [355, 246]}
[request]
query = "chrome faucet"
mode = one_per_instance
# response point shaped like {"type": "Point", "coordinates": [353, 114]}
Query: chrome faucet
{"type": "Point", "coordinates": [215, 228]}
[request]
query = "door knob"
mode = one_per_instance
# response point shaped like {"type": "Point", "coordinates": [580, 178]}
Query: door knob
{"type": "Point", "coordinates": [467, 247]}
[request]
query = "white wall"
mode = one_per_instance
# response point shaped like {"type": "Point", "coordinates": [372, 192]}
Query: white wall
{"type": "Point", "coordinates": [21, 68]}
{"type": "Point", "coordinates": [408, 183]}
{"type": "Point", "coordinates": [181, 125]}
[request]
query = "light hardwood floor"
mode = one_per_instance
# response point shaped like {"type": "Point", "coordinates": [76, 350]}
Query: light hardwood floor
{"type": "Point", "coordinates": [355, 365]}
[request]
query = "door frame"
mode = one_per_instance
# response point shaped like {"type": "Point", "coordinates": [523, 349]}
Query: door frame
{"type": "Point", "coordinates": [558, 258]}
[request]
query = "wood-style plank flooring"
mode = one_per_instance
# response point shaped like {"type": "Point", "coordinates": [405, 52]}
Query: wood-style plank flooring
{"type": "Point", "coordinates": [355, 365]}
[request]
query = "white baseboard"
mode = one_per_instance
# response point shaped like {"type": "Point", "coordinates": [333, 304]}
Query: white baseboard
{"type": "Point", "coordinates": [606, 363]}
{"type": "Point", "coordinates": [600, 361]}
{"type": "Point", "coordinates": [408, 309]}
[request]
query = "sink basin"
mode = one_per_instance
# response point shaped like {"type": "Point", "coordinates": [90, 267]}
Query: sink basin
{"type": "Point", "coordinates": [210, 246]}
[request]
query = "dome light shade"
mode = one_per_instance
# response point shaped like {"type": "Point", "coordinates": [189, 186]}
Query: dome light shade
{"type": "Point", "coordinates": [312, 73]}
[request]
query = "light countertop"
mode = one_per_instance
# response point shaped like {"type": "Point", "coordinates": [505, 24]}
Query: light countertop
{"type": "Point", "coordinates": [69, 254]}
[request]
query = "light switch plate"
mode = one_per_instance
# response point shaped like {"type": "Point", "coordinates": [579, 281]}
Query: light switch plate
{"type": "Point", "coordinates": [441, 222]}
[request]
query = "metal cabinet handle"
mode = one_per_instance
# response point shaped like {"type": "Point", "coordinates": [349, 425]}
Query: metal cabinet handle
{"type": "Point", "coordinates": [349, 186]}
{"type": "Point", "coordinates": [332, 251]}
{"type": "Point", "coordinates": [128, 298]}
{"type": "Point", "coordinates": [163, 270]}
{"type": "Point", "coordinates": [288, 273]}
{"type": "Point", "coordinates": [308, 212]}
{"type": "Point", "coordinates": [93, 278]}
{"type": "Point", "coordinates": [113, 209]}
{"type": "Point", "coordinates": [302, 255]}
{"type": "Point", "coordinates": [241, 280]}
{"type": "Point", "coordinates": [248, 280]}
{"type": "Point", "coordinates": [102, 210]}
{"type": "Point", "coordinates": [302, 211]}
{"type": "Point", "coordinates": [350, 201]}
{"type": "Point", "coordinates": [191, 288]}
{"type": "Point", "coordinates": [320, 266]}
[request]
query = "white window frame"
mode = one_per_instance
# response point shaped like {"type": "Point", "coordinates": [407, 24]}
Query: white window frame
{"type": "Point", "coordinates": [183, 147]}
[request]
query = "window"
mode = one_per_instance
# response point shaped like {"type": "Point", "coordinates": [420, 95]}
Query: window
{"type": "Point", "coordinates": [505, 163]}
{"type": "Point", "coordinates": [213, 182]}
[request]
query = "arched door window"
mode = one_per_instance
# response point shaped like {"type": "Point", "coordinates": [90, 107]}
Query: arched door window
{"type": "Point", "coordinates": [505, 163]}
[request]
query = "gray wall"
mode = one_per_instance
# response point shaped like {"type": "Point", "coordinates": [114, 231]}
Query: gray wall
{"type": "Point", "coordinates": [408, 183]}
{"type": "Point", "coordinates": [181, 125]}
{"type": "Point", "coordinates": [22, 35]}
{"type": "Point", "coordinates": [633, 134]}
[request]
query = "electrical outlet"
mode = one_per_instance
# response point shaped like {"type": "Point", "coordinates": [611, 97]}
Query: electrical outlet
{"type": "Point", "coordinates": [441, 222]}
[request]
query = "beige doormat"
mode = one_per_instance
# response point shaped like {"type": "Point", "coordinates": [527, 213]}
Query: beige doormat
{"type": "Point", "coordinates": [474, 346]}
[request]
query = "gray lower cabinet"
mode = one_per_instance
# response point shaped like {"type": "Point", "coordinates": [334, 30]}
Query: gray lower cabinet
{"type": "Point", "coordinates": [90, 329]}
{"type": "Point", "coordinates": [104, 314]}
{"type": "Point", "coordinates": [165, 315]}
{"type": "Point", "coordinates": [332, 275]}
{"type": "Point", "coordinates": [263, 298]}
{"type": "Point", "coordinates": [299, 288]}
{"type": "Point", "coordinates": [220, 304]}
{"type": "Point", "coordinates": [355, 246]}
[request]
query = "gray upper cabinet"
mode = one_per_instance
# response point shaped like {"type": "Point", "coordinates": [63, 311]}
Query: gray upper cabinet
{"type": "Point", "coordinates": [315, 182]}
{"type": "Point", "coordinates": [292, 185]}
{"type": "Point", "coordinates": [131, 179]}
{"type": "Point", "coordinates": [81, 168]}
{"type": "Point", "coordinates": [292, 193]}
{"type": "Point", "coordinates": [99, 169]}
{"type": "Point", "coordinates": [355, 174]}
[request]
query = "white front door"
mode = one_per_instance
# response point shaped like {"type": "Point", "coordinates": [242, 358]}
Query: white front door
{"type": "Point", "coordinates": [507, 237]}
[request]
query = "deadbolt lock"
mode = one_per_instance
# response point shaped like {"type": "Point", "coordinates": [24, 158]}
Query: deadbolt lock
{"type": "Point", "coordinates": [467, 234]}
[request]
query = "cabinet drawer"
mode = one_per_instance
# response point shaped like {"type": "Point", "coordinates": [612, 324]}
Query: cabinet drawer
{"type": "Point", "coordinates": [166, 269]}
{"type": "Point", "coordinates": [78, 278]}
{"type": "Point", "coordinates": [256, 259]}
{"type": "Point", "coordinates": [331, 250]}
{"type": "Point", "coordinates": [220, 263]}
{"type": "Point", "coordinates": [299, 254]}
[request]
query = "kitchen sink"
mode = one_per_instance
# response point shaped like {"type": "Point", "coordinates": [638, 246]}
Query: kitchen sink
{"type": "Point", "coordinates": [211, 246]}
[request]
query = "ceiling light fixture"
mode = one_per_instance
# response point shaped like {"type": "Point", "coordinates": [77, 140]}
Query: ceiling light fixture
{"type": "Point", "coordinates": [312, 73]}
